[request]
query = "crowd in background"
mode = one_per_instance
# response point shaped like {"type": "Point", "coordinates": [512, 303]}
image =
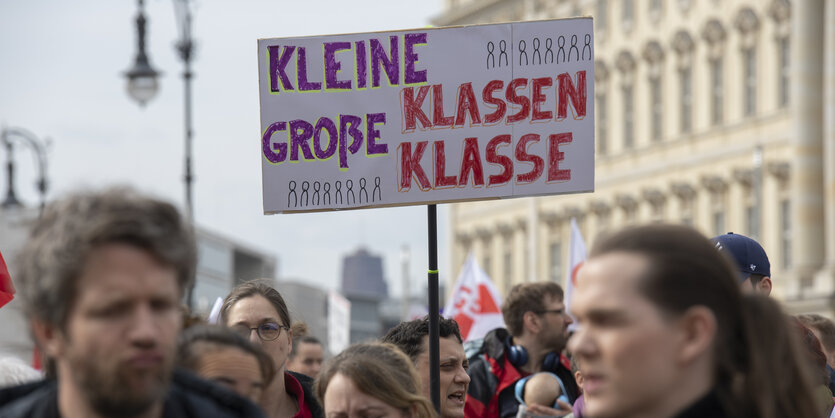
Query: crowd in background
{"type": "Point", "coordinates": [668, 324]}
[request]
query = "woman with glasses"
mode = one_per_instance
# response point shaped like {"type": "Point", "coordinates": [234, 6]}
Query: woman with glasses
{"type": "Point", "coordinates": [258, 312]}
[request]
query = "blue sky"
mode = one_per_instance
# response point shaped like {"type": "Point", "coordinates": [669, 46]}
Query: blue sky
{"type": "Point", "coordinates": [61, 66]}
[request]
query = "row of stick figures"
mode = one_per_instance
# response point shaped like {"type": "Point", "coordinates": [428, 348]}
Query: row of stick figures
{"type": "Point", "coordinates": [538, 57]}
{"type": "Point", "coordinates": [320, 193]}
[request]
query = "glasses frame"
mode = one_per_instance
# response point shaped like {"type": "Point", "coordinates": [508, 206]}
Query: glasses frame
{"type": "Point", "coordinates": [555, 311]}
{"type": "Point", "coordinates": [240, 329]}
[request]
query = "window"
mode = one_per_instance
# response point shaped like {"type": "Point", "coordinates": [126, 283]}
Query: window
{"type": "Point", "coordinates": [602, 121]}
{"type": "Point", "coordinates": [628, 14]}
{"type": "Point", "coordinates": [686, 100]}
{"type": "Point", "coordinates": [783, 77]}
{"type": "Point", "coordinates": [785, 233]}
{"type": "Point", "coordinates": [555, 267]}
{"type": "Point", "coordinates": [655, 6]}
{"type": "Point", "coordinates": [750, 82]}
{"type": "Point", "coordinates": [657, 107]}
{"type": "Point", "coordinates": [717, 92]}
{"type": "Point", "coordinates": [602, 17]}
{"type": "Point", "coordinates": [628, 118]}
{"type": "Point", "coordinates": [752, 219]}
{"type": "Point", "coordinates": [718, 222]}
{"type": "Point", "coordinates": [687, 214]}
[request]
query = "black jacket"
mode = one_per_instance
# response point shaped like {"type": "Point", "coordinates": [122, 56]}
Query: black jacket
{"type": "Point", "coordinates": [309, 398]}
{"type": "Point", "coordinates": [492, 379]}
{"type": "Point", "coordinates": [708, 406]}
{"type": "Point", "coordinates": [188, 396]}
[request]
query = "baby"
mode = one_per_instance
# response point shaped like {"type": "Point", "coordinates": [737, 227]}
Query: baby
{"type": "Point", "coordinates": [539, 389]}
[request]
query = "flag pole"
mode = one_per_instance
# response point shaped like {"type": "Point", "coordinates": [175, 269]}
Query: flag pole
{"type": "Point", "coordinates": [434, 337]}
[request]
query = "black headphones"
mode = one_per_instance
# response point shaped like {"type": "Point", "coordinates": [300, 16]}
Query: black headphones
{"type": "Point", "coordinates": [518, 356]}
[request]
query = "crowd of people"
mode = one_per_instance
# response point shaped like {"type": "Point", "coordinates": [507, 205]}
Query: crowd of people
{"type": "Point", "coordinates": [669, 324]}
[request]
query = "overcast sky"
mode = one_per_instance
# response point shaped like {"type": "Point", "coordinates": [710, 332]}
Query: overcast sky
{"type": "Point", "coordinates": [61, 66]}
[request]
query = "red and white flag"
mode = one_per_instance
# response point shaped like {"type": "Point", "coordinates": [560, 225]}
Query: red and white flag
{"type": "Point", "coordinates": [6, 286]}
{"type": "Point", "coordinates": [475, 303]}
{"type": "Point", "coordinates": [576, 258]}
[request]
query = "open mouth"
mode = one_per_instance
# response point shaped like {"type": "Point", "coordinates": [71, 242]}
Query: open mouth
{"type": "Point", "coordinates": [457, 397]}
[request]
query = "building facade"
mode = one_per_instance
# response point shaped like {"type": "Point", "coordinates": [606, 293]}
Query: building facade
{"type": "Point", "coordinates": [718, 114]}
{"type": "Point", "coordinates": [364, 285]}
{"type": "Point", "coordinates": [308, 304]}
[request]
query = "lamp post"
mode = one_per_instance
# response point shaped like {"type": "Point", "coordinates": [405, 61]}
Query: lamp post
{"type": "Point", "coordinates": [39, 148]}
{"type": "Point", "coordinates": [143, 84]}
{"type": "Point", "coordinates": [142, 78]}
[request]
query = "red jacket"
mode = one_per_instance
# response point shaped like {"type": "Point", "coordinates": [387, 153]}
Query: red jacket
{"type": "Point", "coordinates": [492, 377]}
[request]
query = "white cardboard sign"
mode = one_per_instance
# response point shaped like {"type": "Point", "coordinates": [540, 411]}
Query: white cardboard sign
{"type": "Point", "coordinates": [427, 116]}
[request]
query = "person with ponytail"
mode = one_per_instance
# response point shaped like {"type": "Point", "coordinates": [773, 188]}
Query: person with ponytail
{"type": "Point", "coordinates": [372, 379]}
{"type": "Point", "coordinates": [665, 331]}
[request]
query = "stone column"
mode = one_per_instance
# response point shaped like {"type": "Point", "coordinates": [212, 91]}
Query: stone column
{"type": "Point", "coordinates": [826, 277]}
{"type": "Point", "coordinates": [807, 165]}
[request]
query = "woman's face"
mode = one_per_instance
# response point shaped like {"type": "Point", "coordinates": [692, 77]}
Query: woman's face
{"type": "Point", "coordinates": [630, 352]}
{"type": "Point", "coordinates": [254, 311]}
{"type": "Point", "coordinates": [344, 400]}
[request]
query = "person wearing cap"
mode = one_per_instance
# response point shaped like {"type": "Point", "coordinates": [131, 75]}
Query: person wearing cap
{"type": "Point", "coordinates": [751, 261]}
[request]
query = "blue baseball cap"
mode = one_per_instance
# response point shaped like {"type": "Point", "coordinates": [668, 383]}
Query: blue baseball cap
{"type": "Point", "coordinates": [748, 254]}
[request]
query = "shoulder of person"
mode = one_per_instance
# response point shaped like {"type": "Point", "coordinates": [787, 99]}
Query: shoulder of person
{"type": "Point", "coordinates": [35, 399]}
{"type": "Point", "coordinates": [191, 396]}
{"type": "Point", "coordinates": [309, 397]}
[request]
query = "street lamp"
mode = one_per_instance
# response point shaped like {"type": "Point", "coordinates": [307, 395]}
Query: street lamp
{"type": "Point", "coordinates": [142, 86]}
{"type": "Point", "coordinates": [39, 148]}
{"type": "Point", "coordinates": [142, 81]}
{"type": "Point", "coordinates": [142, 78]}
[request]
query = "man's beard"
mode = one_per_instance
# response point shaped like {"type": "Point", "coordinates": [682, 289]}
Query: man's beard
{"type": "Point", "coordinates": [556, 343]}
{"type": "Point", "coordinates": [110, 393]}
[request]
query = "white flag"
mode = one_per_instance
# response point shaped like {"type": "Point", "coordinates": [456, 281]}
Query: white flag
{"type": "Point", "coordinates": [576, 258]}
{"type": "Point", "coordinates": [214, 314]}
{"type": "Point", "coordinates": [475, 302]}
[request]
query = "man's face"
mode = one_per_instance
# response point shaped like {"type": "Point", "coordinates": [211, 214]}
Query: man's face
{"type": "Point", "coordinates": [555, 321]}
{"type": "Point", "coordinates": [117, 347]}
{"type": "Point", "coordinates": [308, 359]}
{"type": "Point", "coordinates": [625, 344]}
{"type": "Point", "coordinates": [235, 369]}
{"type": "Point", "coordinates": [454, 378]}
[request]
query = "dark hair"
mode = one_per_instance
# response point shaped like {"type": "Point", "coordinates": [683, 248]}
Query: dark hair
{"type": "Point", "coordinates": [813, 352]}
{"type": "Point", "coordinates": [756, 279]}
{"type": "Point", "coordinates": [255, 288]}
{"type": "Point", "coordinates": [408, 336]}
{"type": "Point", "coordinates": [825, 328]}
{"type": "Point", "coordinates": [52, 260]}
{"type": "Point", "coordinates": [527, 297]}
{"type": "Point", "coordinates": [757, 359]}
{"type": "Point", "coordinates": [300, 337]}
{"type": "Point", "coordinates": [382, 371]}
{"type": "Point", "coordinates": [196, 341]}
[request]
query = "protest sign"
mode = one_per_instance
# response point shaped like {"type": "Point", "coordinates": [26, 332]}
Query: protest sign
{"type": "Point", "coordinates": [427, 116]}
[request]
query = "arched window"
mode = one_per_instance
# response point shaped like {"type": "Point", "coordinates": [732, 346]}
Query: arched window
{"type": "Point", "coordinates": [714, 35]}
{"type": "Point", "coordinates": [747, 23]}
{"type": "Point", "coordinates": [626, 66]}
{"type": "Point", "coordinates": [654, 56]}
{"type": "Point", "coordinates": [683, 45]}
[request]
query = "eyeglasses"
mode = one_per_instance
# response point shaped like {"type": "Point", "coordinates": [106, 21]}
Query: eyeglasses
{"type": "Point", "coordinates": [267, 331]}
{"type": "Point", "coordinates": [556, 311]}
